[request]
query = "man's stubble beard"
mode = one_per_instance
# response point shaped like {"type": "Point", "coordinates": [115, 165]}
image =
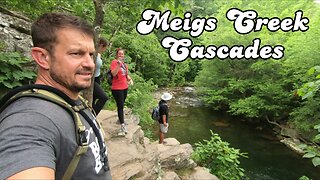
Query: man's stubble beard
{"type": "Point", "coordinates": [75, 87]}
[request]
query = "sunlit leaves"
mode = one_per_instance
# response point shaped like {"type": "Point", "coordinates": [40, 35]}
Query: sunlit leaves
{"type": "Point", "coordinates": [312, 152]}
{"type": "Point", "coordinates": [219, 157]}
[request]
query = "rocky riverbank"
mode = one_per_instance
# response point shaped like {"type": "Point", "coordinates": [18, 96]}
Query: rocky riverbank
{"type": "Point", "coordinates": [135, 157]}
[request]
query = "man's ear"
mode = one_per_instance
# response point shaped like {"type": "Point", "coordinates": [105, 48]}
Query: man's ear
{"type": "Point", "coordinates": [41, 57]}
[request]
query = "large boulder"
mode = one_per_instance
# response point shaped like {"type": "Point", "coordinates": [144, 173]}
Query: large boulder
{"type": "Point", "coordinates": [134, 156]}
{"type": "Point", "coordinates": [15, 34]}
{"type": "Point", "coordinates": [175, 156]}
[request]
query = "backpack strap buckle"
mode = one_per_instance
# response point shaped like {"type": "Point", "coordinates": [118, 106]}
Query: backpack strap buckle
{"type": "Point", "coordinates": [104, 160]}
{"type": "Point", "coordinates": [83, 141]}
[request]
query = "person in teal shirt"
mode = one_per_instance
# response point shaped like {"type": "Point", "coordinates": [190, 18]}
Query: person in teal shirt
{"type": "Point", "coordinates": [99, 96]}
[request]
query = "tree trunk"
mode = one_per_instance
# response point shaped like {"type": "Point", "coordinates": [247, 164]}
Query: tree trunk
{"type": "Point", "coordinates": [99, 16]}
{"type": "Point", "coordinates": [98, 23]}
{"type": "Point", "coordinates": [272, 122]}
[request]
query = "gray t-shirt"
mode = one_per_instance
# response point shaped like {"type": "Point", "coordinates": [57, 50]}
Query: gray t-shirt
{"type": "Point", "coordinates": [38, 133]}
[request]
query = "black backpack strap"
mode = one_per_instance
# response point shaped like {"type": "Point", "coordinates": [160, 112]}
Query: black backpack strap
{"type": "Point", "coordinates": [103, 149]}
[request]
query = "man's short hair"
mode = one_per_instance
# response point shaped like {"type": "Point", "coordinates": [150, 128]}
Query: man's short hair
{"type": "Point", "coordinates": [43, 30]}
{"type": "Point", "coordinates": [103, 42]}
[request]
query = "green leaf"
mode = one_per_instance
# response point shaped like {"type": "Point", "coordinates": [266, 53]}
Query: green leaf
{"type": "Point", "coordinates": [317, 126]}
{"type": "Point", "coordinates": [316, 161]}
{"type": "Point", "coordinates": [233, 156]}
{"type": "Point", "coordinates": [311, 71]}
{"type": "Point", "coordinates": [5, 69]}
{"type": "Point", "coordinates": [317, 137]}
{"type": "Point", "coordinates": [309, 94]}
{"type": "Point", "coordinates": [3, 78]}
{"type": "Point", "coordinates": [304, 178]}
{"type": "Point", "coordinates": [309, 155]}
{"type": "Point", "coordinates": [228, 159]}
{"type": "Point", "coordinates": [11, 84]}
{"type": "Point", "coordinates": [317, 68]}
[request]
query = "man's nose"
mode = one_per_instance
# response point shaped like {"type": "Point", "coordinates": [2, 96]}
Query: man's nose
{"type": "Point", "coordinates": [88, 61]}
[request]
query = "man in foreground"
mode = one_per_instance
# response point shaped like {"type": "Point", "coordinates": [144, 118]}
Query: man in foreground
{"type": "Point", "coordinates": [38, 138]}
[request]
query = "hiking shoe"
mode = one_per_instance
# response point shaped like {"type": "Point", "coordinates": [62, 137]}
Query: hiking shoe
{"type": "Point", "coordinates": [124, 129]}
{"type": "Point", "coordinates": [121, 133]}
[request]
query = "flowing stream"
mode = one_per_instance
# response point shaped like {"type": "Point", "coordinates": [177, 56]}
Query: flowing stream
{"type": "Point", "coordinates": [190, 122]}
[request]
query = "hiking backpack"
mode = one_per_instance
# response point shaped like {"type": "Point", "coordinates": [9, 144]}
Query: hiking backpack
{"type": "Point", "coordinates": [58, 97]}
{"type": "Point", "coordinates": [155, 115]}
{"type": "Point", "coordinates": [109, 77]}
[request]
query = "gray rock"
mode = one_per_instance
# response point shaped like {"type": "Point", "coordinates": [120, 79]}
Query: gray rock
{"type": "Point", "coordinates": [15, 34]}
{"type": "Point", "coordinates": [201, 173]}
{"type": "Point", "coordinates": [134, 156]}
{"type": "Point", "coordinates": [171, 175]}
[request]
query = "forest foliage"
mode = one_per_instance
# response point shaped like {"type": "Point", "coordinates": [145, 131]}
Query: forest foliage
{"type": "Point", "coordinates": [226, 164]}
{"type": "Point", "coordinates": [264, 90]}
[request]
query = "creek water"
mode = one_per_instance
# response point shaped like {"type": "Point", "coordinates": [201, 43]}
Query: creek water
{"type": "Point", "coordinates": [268, 159]}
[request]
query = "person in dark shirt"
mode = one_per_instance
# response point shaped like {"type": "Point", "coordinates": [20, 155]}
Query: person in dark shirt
{"type": "Point", "coordinates": [164, 115]}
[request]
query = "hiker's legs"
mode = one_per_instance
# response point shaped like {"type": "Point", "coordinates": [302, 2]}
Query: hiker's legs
{"type": "Point", "coordinates": [120, 96]}
{"type": "Point", "coordinates": [125, 93]}
{"type": "Point", "coordinates": [162, 131]}
{"type": "Point", "coordinates": [99, 98]}
{"type": "Point", "coordinates": [161, 137]}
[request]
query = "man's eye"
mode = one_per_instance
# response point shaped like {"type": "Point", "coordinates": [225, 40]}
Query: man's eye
{"type": "Point", "coordinates": [77, 53]}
